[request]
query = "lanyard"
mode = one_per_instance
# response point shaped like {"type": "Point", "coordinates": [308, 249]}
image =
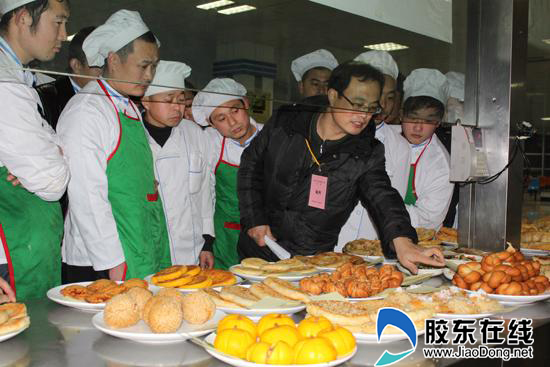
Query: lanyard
{"type": "Point", "coordinates": [313, 154]}
{"type": "Point", "coordinates": [421, 153]}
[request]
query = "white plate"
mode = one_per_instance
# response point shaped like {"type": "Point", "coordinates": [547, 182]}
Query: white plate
{"type": "Point", "coordinates": [362, 338]}
{"type": "Point", "coordinates": [55, 295]}
{"type": "Point", "coordinates": [142, 334]}
{"type": "Point", "coordinates": [259, 278]}
{"type": "Point", "coordinates": [432, 272]}
{"type": "Point", "coordinates": [261, 311]}
{"type": "Point", "coordinates": [449, 244]}
{"type": "Point", "coordinates": [184, 290]}
{"type": "Point", "coordinates": [448, 273]}
{"type": "Point", "coordinates": [516, 300]}
{"type": "Point", "coordinates": [465, 316]}
{"type": "Point", "coordinates": [364, 299]}
{"type": "Point", "coordinates": [12, 334]}
{"type": "Point", "coordinates": [242, 363]}
{"type": "Point", "coordinates": [534, 252]}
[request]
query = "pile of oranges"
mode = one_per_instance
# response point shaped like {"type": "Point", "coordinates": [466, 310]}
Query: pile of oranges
{"type": "Point", "coordinates": [276, 339]}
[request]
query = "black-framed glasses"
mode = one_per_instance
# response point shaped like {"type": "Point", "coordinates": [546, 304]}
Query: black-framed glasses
{"type": "Point", "coordinates": [371, 110]}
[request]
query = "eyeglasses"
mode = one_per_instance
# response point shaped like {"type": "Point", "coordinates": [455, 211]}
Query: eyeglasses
{"type": "Point", "coordinates": [371, 110]}
{"type": "Point", "coordinates": [410, 120]}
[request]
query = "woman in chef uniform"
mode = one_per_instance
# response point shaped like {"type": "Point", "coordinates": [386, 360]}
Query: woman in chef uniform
{"type": "Point", "coordinates": [223, 105]}
{"type": "Point", "coordinates": [180, 159]}
{"type": "Point", "coordinates": [115, 225]}
{"type": "Point", "coordinates": [359, 224]}
{"type": "Point", "coordinates": [31, 224]}
{"type": "Point", "coordinates": [429, 191]}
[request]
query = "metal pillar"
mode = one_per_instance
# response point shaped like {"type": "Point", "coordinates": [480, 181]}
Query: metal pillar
{"type": "Point", "coordinates": [490, 214]}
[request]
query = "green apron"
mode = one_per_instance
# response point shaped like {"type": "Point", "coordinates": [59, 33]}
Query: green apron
{"type": "Point", "coordinates": [410, 197]}
{"type": "Point", "coordinates": [31, 230]}
{"type": "Point", "coordinates": [135, 203]}
{"type": "Point", "coordinates": [226, 215]}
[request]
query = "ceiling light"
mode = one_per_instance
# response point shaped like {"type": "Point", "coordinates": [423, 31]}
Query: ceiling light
{"type": "Point", "coordinates": [545, 118]}
{"type": "Point", "coordinates": [236, 9]}
{"type": "Point", "coordinates": [547, 41]}
{"type": "Point", "coordinates": [70, 38]}
{"type": "Point", "coordinates": [215, 4]}
{"type": "Point", "coordinates": [388, 46]}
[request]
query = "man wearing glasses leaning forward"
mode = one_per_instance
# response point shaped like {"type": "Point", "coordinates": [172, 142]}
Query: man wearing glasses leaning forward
{"type": "Point", "coordinates": [306, 170]}
{"type": "Point", "coordinates": [429, 190]}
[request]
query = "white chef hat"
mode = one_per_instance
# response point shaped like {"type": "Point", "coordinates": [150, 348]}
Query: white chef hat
{"type": "Point", "coordinates": [8, 5]}
{"type": "Point", "coordinates": [426, 82]}
{"type": "Point", "coordinates": [456, 85]}
{"type": "Point", "coordinates": [315, 59]}
{"type": "Point", "coordinates": [381, 60]}
{"type": "Point", "coordinates": [217, 92]}
{"type": "Point", "coordinates": [170, 75]}
{"type": "Point", "coordinates": [120, 29]}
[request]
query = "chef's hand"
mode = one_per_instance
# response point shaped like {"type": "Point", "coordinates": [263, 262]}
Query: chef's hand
{"type": "Point", "coordinates": [206, 259]}
{"type": "Point", "coordinates": [14, 180]}
{"type": "Point", "coordinates": [410, 254]}
{"type": "Point", "coordinates": [6, 293]}
{"type": "Point", "coordinates": [259, 232]}
{"type": "Point", "coordinates": [117, 272]}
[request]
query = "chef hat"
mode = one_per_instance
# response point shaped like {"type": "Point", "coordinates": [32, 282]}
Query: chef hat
{"type": "Point", "coordinates": [315, 59]}
{"type": "Point", "coordinates": [381, 60]}
{"type": "Point", "coordinates": [8, 5]}
{"type": "Point", "coordinates": [426, 82]}
{"type": "Point", "coordinates": [217, 92]}
{"type": "Point", "coordinates": [456, 85]}
{"type": "Point", "coordinates": [120, 29]}
{"type": "Point", "coordinates": [170, 75]}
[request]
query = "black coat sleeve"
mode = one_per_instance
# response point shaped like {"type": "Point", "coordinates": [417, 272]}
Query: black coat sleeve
{"type": "Point", "coordinates": [250, 181]}
{"type": "Point", "coordinates": [384, 203]}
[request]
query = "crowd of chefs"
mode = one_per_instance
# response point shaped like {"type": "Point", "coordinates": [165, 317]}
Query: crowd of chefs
{"type": "Point", "coordinates": [150, 173]}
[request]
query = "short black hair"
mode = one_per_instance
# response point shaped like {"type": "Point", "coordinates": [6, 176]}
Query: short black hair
{"type": "Point", "coordinates": [190, 87]}
{"type": "Point", "coordinates": [341, 76]}
{"type": "Point", "coordinates": [415, 103]}
{"type": "Point", "coordinates": [306, 74]}
{"type": "Point", "coordinates": [35, 9]}
{"type": "Point", "coordinates": [75, 46]}
{"type": "Point", "coordinates": [123, 53]}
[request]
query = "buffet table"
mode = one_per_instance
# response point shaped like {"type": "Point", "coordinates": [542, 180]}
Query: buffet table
{"type": "Point", "coordinates": [62, 336]}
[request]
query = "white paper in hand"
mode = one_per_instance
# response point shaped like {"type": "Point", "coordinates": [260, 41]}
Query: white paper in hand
{"type": "Point", "coordinates": [280, 252]}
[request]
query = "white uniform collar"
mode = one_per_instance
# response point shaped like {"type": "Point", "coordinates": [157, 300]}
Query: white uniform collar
{"type": "Point", "coordinates": [249, 140]}
{"type": "Point", "coordinates": [76, 87]}
{"type": "Point", "coordinates": [28, 77]}
{"type": "Point", "coordinates": [381, 125]}
{"type": "Point", "coordinates": [118, 98]}
{"type": "Point", "coordinates": [417, 149]}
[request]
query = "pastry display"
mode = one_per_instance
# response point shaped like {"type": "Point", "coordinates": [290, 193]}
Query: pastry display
{"type": "Point", "coordinates": [455, 301]}
{"type": "Point", "coordinates": [192, 277]}
{"type": "Point", "coordinates": [355, 281]}
{"type": "Point", "coordinates": [506, 272]}
{"type": "Point", "coordinates": [544, 264]}
{"type": "Point", "coordinates": [260, 267]}
{"type": "Point", "coordinates": [245, 296]}
{"type": "Point", "coordinates": [13, 317]}
{"type": "Point", "coordinates": [282, 342]}
{"type": "Point", "coordinates": [163, 313]}
{"type": "Point", "coordinates": [446, 234]}
{"type": "Point", "coordinates": [425, 234]}
{"type": "Point", "coordinates": [536, 235]}
{"type": "Point", "coordinates": [331, 259]}
{"type": "Point", "coordinates": [363, 247]}
{"type": "Point", "coordinates": [101, 290]}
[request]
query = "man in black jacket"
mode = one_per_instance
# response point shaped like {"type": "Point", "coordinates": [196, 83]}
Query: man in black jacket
{"type": "Point", "coordinates": [55, 95]}
{"type": "Point", "coordinates": [304, 173]}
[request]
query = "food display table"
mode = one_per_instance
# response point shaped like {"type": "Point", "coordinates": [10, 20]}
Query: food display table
{"type": "Point", "coordinates": [62, 336]}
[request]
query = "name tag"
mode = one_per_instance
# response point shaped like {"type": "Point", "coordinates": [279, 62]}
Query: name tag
{"type": "Point", "coordinates": [318, 191]}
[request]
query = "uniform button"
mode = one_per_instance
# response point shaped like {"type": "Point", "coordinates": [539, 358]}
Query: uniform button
{"type": "Point", "coordinates": [334, 156]}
